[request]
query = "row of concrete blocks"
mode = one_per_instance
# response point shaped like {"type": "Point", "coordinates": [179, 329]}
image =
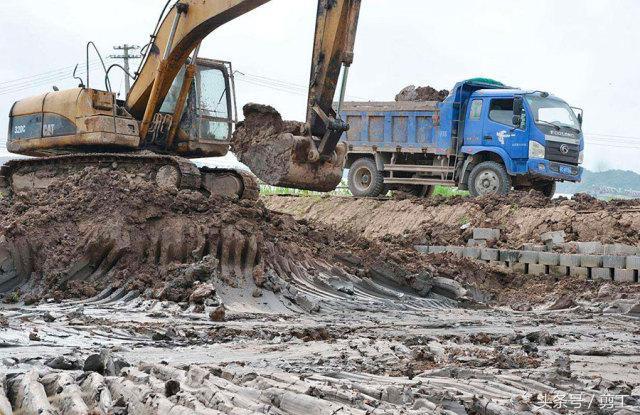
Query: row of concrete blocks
{"type": "Point", "coordinates": [591, 267]}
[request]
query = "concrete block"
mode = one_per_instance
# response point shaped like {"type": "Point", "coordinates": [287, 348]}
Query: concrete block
{"type": "Point", "coordinates": [613, 261]}
{"type": "Point", "coordinates": [536, 269]}
{"type": "Point", "coordinates": [471, 252]}
{"type": "Point", "coordinates": [529, 257]}
{"type": "Point", "coordinates": [591, 261]}
{"type": "Point", "coordinates": [455, 250]}
{"type": "Point", "coordinates": [553, 237]}
{"type": "Point", "coordinates": [624, 275]}
{"type": "Point", "coordinates": [569, 260]}
{"type": "Point", "coordinates": [509, 255]}
{"type": "Point", "coordinates": [517, 267]}
{"type": "Point", "coordinates": [537, 248]}
{"type": "Point", "coordinates": [633, 262]}
{"type": "Point", "coordinates": [489, 254]}
{"type": "Point", "coordinates": [548, 258]}
{"type": "Point", "coordinates": [590, 248]}
{"type": "Point", "coordinates": [437, 249]}
{"type": "Point", "coordinates": [423, 249]}
{"type": "Point", "coordinates": [486, 234]}
{"type": "Point", "coordinates": [602, 274]}
{"type": "Point", "coordinates": [579, 272]}
{"type": "Point", "coordinates": [569, 247]}
{"type": "Point", "coordinates": [559, 271]}
{"type": "Point", "coordinates": [621, 249]}
{"type": "Point", "coordinates": [477, 243]}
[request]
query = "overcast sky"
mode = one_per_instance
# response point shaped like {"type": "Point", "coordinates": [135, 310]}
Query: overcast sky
{"type": "Point", "coordinates": [584, 51]}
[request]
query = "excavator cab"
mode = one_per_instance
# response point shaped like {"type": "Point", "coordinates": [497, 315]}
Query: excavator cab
{"type": "Point", "coordinates": [208, 113]}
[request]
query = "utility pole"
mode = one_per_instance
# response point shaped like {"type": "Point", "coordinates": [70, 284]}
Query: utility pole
{"type": "Point", "coordinates": [126, 56]}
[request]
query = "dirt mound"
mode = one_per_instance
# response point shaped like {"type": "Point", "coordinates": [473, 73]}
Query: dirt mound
{"type": "Point", "coordinates": [101, 228]}
{"type": "Point", "coordinates": [522, 217]}
{"type": "Point", "coordinates": [421, 93]}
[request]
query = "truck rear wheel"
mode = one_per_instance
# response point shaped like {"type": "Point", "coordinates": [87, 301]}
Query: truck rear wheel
{"type": "Point", "coordinates": [489, 178]}
{"type": "Point", "coordinates": [364, 178]}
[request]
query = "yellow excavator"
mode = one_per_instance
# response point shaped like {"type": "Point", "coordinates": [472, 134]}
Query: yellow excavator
{"type": "Point", "coordinates": [182, 106]}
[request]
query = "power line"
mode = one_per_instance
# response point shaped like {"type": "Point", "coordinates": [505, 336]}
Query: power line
{"type": "Point", "coordinates": [35, 76]}
{"type": "Point", "coordinates": [27, 85]}
{"type": "Point", "coordinates": [43, 78]}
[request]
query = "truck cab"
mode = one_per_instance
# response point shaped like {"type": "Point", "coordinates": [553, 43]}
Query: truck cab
{"type": "Point", "coordinates": [536, 138]}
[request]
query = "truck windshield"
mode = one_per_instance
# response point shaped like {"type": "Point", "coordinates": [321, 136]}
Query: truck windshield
{"type": "Point", "coordinates": [552, 111]}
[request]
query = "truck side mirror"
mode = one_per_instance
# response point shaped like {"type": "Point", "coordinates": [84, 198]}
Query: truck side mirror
{"type": "Point", "coordinates": [517, 120]}
{"type": "Point", "coordinates": [580, 119]}
{"type": "Point", "coordinates": [518, 106]}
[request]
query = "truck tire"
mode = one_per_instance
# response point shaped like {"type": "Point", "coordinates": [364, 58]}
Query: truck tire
{"type": "Point", "coordinates": [364, 178]}
{"type": "Point", "coordinates": [423, 191]}
{"type": "Point", "coordinates": [489, 178]}
{"type": "Point", "coordinates": [547, 188]}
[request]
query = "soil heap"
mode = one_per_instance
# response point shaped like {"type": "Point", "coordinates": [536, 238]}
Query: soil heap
{"type": "Point", "coordinates": [103, 227]}
{"type": "Point", "coordinates": [421, 93]}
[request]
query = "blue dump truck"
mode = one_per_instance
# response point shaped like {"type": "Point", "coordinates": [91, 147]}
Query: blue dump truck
{"type": "Point", "coordinates": [484, 137]}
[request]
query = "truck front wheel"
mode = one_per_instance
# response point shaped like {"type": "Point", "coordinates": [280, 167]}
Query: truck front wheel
{"type": "Point", "coordinates": [364, 178]}
{"type": "Point", "coordinates": [489, 178]}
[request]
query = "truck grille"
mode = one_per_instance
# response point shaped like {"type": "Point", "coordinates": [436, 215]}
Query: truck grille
{"type": "Point", "coordinates": [555, 152]}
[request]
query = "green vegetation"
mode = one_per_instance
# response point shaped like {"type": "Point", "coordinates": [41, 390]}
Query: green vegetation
{"type": "Point", "coordinates": [449, 191]}
{"type": "Point", "coordinates": [268, 190]}
{"type": "Point", "coordinates": [343, 190]}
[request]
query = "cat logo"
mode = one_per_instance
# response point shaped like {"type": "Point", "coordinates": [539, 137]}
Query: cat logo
{"type": "Point", "coordinates": [48, 130]}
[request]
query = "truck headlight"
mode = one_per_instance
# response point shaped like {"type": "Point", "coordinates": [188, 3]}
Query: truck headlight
{"type": "Point", "coordinates": [581, 157]}
{"type": "Point", "coordinates": [536, 150]}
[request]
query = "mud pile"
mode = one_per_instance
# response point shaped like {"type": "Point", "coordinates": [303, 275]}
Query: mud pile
{"type": "Point", "coordinates": [102, 228]}
{"type": "Point", "coordinates": [421, 93]}
{"type": "Point", "coordinates": [521, 216]}
{"type": "Point", "coordinates": [279, 152]}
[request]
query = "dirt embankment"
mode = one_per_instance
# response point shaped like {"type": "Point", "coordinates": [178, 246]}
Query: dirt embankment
{"type": "Point", "coordinates": [103, 228]}
{"type": "Point", "coordinates": [522, 217]}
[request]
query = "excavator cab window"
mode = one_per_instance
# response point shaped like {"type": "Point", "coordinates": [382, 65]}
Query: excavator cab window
{"type": "Point", "coordinates": [208, 114]}
{"type": "Point", "coordinates": [213, 103]}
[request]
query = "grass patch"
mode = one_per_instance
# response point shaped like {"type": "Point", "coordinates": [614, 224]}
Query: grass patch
{"type": "Point", "coordinates": [343, 190]}
{"type": "Point", "coordinates": [449, 191]}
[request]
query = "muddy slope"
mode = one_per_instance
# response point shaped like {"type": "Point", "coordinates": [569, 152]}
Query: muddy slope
{"type": "Point", "coordinates": [522, 217]}
{"type": "Point", "coordinates": [104, 229]}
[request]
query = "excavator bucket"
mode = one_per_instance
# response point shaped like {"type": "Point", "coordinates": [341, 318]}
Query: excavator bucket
{"type": "Point", "coordinates": [281, 154]}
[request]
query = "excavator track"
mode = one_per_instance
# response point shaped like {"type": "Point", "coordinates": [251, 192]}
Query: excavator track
{"type": "Point", "coordinates": [165, 171]}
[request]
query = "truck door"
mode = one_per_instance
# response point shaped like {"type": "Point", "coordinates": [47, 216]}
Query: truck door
{"type": "Point", "coordinates": [473, 124]}
{"type": "Point", "coordinates": [499, 130]}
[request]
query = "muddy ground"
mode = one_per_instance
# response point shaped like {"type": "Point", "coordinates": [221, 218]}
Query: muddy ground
{"type": "Point", "coordinates": [123, 298]}
{"type": "Point", "coordinates": [521, 217]}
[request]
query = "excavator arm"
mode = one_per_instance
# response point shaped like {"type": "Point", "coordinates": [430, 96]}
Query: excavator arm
{"type": "Point", "coordinates": [189, 21]}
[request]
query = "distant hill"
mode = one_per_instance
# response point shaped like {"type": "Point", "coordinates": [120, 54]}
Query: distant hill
{"type": "Point", "coordinates": [605, 184]}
